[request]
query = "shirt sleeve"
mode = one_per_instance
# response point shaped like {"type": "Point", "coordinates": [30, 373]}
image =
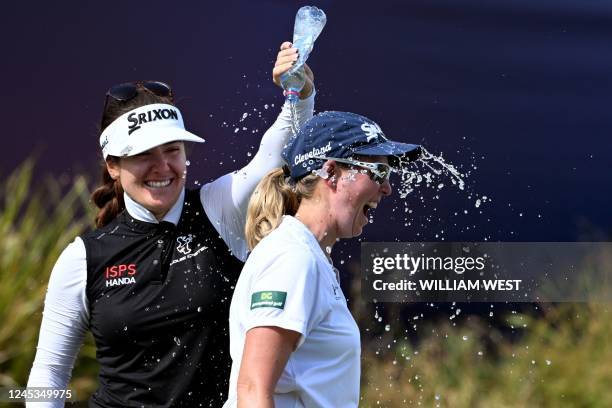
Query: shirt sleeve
{"type": "Point", "coordinates": [225, 200]}
{"type": "Point", "coordinates": [65, 321]}
{"type": "Point", "coordinates": [287, 293]}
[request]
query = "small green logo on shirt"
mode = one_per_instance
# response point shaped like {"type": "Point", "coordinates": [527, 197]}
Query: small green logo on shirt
{"type": "Point", "coordinates": [268, 299]}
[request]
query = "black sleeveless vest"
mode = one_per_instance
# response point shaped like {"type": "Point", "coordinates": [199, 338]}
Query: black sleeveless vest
{"type": "Point", "coordinates": [159, 298]}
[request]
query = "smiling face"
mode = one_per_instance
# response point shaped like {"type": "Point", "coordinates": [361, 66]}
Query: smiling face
{"type": "Point", "coordinates": [356, 194]}
{"type": "Point", "coordinates": [154, 178]}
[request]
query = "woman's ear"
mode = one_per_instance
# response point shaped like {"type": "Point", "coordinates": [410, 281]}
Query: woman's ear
{"type": "Point", "coordinates": [113, 168]}
{"type": "Point", "coordinates": [333, 173]}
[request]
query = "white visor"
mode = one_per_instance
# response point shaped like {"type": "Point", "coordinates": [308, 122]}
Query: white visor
{"type": "Point", "coordinates": [144, 128]}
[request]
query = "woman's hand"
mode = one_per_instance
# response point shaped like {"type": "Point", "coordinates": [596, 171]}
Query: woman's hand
{"type": "Point", "coordinates": [284, 61]}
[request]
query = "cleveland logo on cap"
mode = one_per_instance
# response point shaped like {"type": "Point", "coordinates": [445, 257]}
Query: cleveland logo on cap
{"type": "Point", "coordinates": [312, 153]}
{"type": "Point", "coordinates": [137, 119]}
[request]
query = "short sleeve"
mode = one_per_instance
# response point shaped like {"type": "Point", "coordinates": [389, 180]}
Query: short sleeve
{"type": "Point", "coordinates": [287, 294]}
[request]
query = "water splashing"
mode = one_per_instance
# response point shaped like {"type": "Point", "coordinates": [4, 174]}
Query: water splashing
{"type": "Point", "coordinates": [428, 170]}
{"type": "Point", "coordinates": [322, 172]}
{"type": "Point", "coordinates": [295, 121]}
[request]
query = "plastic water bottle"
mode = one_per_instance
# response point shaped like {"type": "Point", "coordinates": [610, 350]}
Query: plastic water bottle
{"type": "Point", "coordinates": [309, 22]}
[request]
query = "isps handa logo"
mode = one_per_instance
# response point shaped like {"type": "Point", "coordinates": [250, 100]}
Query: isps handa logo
{"type": "Point", "coordinates": [123, 274]}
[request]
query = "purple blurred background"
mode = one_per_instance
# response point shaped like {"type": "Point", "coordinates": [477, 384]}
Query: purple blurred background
{"type": "Point", "coordinates": [520, 89]}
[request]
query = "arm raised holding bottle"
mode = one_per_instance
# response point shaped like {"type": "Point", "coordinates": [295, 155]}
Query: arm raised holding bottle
{"type": "Point", "coordinates": [287, 58]}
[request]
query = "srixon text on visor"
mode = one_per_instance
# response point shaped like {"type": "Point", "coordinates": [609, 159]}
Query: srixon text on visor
{"type": "Point", "coordinates": [137, 119]}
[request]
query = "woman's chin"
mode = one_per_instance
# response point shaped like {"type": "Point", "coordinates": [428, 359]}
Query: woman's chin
{"type": "Point", "coordinates": [160, 204]}
{"type": "Point", "coordinates": [357, 231]}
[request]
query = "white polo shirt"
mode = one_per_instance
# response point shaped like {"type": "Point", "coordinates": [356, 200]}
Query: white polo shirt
{"type": "Point", "coordinates": [288, 282]}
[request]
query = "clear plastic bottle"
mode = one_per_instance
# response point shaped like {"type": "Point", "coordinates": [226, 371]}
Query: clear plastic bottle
{"type": "Point", "coordinates": [309, 22]}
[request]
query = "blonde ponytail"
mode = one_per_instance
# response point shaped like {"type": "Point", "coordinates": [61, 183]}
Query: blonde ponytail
{"type": "Point", "coordinates": [274, 197]}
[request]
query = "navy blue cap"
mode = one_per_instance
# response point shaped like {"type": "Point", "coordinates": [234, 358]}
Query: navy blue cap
{"type": "Point", "coordinates": [341, 135]}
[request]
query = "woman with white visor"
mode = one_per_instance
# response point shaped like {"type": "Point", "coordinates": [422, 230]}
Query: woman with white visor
{"type": "Point", "coordinates": [153, 282]}
{"type": "Point", "coordinates": [293, 340]}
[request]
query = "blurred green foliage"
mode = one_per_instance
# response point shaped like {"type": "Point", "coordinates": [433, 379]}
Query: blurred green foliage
{"type": "Point", "coordinates": [37, 220]}
{"type": "Point", "coordinates": [562, 359]}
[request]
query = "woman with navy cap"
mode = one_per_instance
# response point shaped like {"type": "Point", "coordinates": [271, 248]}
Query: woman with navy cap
{"type": "Point", "coordinates": [153, 282]}
{"type": "Point", "coordinates": [293, 340]}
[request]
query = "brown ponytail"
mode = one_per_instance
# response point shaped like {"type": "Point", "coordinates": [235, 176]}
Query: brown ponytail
{"type": "Point", "coordinates": [108, 197]}
{"type": "Point", "coordinates": [274, 197]}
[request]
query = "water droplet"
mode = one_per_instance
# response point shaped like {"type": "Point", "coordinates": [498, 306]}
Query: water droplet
{"type": "Point", "coordinates": [187, 162]}
{"type": "Point", "coordinates": [465, 338]}
{"type": "Point", "coordinates": [388, 327]}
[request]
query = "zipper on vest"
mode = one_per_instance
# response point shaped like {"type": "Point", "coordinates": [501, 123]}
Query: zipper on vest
{"type": "Point", "coordinates": [163, 253]}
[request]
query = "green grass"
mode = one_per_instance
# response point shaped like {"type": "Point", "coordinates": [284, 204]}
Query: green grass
{"type": "Point", "coordinates": [37, 221]}
{"type": "Point", "coordinates": [564, 359]}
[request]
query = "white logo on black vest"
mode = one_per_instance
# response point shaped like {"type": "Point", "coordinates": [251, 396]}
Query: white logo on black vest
{"type": "Point", "coordinates": [183, 247]}
{"type": "Point", "coordinates": [183, 243]}
{"type": "Point", "coordinates": [372, 131]}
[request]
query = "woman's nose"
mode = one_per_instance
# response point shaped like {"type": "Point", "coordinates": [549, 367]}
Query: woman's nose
{"type": "Point", "coordinates": [385, 188]}
{"type": "Point", "coordinates": [158, 161]}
